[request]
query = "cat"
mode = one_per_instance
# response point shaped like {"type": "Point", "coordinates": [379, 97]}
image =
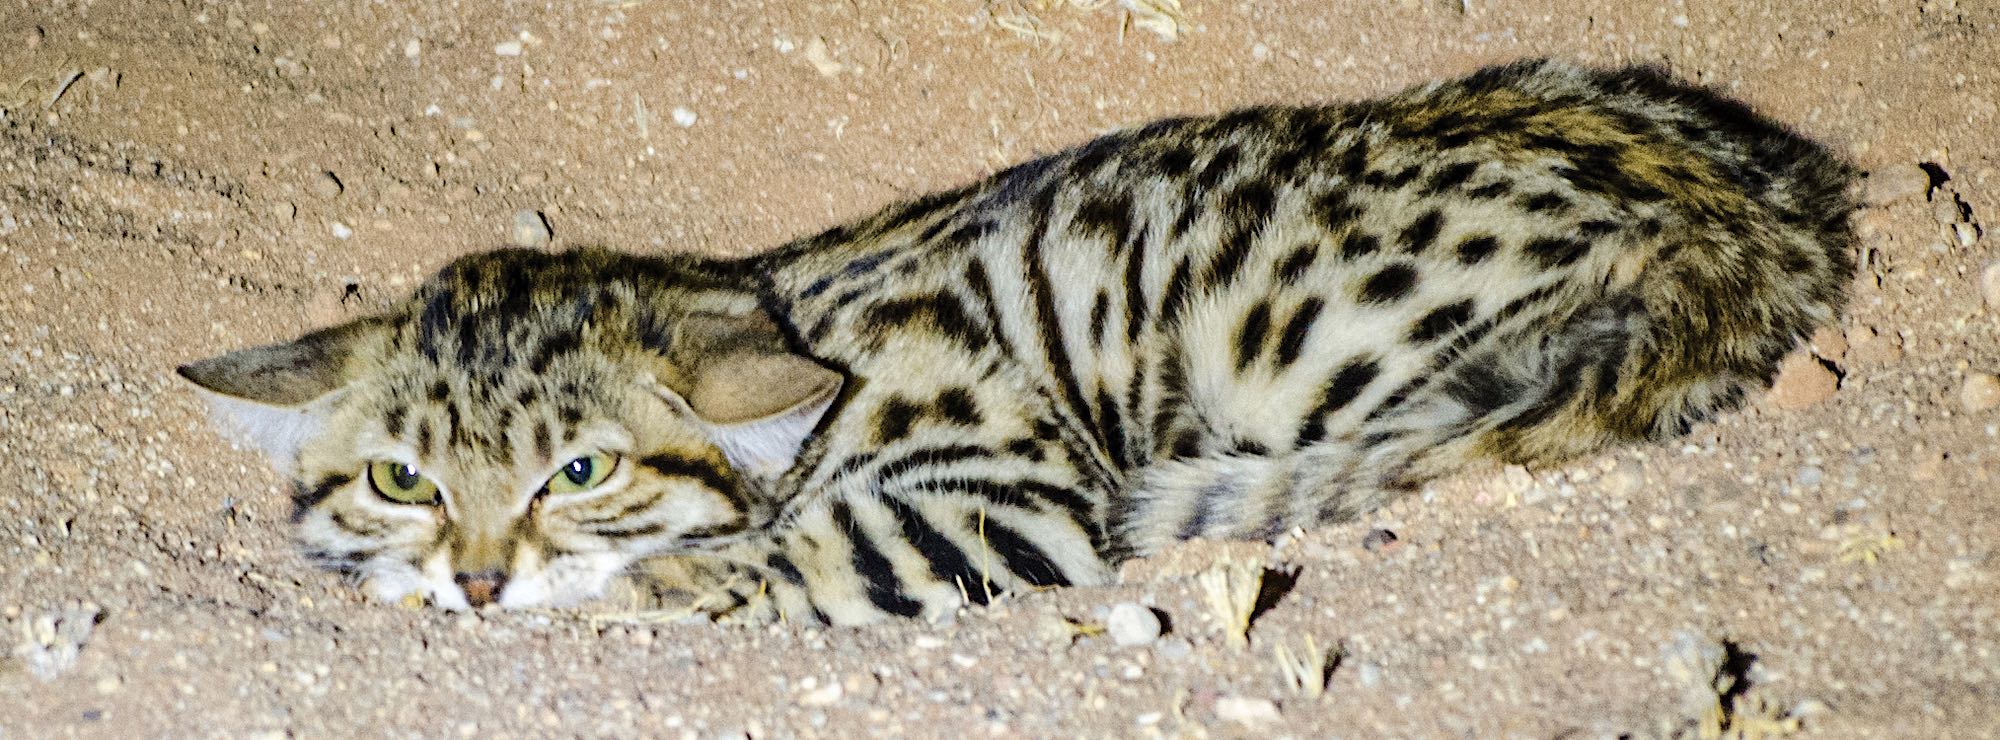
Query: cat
{"type": "Point", "coordinates": [1220, 326]}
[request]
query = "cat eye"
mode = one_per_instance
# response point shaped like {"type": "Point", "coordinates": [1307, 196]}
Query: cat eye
{"type": "Point", "coordinates": [401, 483]}
{"type": "Point", "coordinates": [582, 474]}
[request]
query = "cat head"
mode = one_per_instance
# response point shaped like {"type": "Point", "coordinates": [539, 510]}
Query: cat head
{"type": "Point", "coordinates": [527, 425]}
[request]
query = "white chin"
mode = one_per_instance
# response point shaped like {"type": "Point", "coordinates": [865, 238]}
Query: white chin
{"type": "Point", "coordinates": [390, 585]}
{"type": "Point", "coordinates": [564, 583]}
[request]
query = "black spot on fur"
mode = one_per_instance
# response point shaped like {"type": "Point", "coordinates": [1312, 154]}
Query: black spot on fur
{"type": "Point", "coordinates": [1391, 284]}
{"type": "Point", "coordinates": [1335, 211]}
{"type": "Point", "coordinates": [1548, 203]}
{"type": "Point", "coordinates": [1250, 337]}
{"type": "Point", "coordinates": [1450, 176]}
{"type": "Point", "coordinates": [894, 420]}
{"type": "Point", "coordinates": [1556, 251]}
{"type": "Point", "coordinates": [942, 312]}
{"type": "Point", "coordinates": [1293, 267]}
{"type": "Point", "coordinates": [1348, 382]}
{"type": "Point", "coordinates": [1491, 190]}
{"type": "Point", "coordinates": [1441, 321]}
{"type": "Point", "coordinates": [1107, 217]}
{"type": "Point", "coordinates": [1296, 329]}
{"type": "Point", "coordinates": [1418, 236]}
{"type": "Point", "coordinates": [1218, 168]}
{"type": "Point", "coordinates": [1475, 249]}
{"type": "Point", "coordinates": [1358, 245]}
{"type": "Point", "coordinates": [957, 406]}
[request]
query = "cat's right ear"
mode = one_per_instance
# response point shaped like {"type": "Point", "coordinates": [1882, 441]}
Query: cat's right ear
{"type": "Point", "coordinates": [274, 397]}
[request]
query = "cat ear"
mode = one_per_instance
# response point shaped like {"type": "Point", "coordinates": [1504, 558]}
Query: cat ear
{"type": "Point", "coordinates": [274, 397]}
{"type": "Point", "coordinates": [758, 399]}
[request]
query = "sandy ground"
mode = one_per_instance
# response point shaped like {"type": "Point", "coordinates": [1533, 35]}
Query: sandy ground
{"type": "Point", "coordinates": [1828, 555]}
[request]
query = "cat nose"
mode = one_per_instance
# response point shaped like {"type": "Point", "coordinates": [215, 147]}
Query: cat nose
{"type": "Point", "coordinates": [481, 588]}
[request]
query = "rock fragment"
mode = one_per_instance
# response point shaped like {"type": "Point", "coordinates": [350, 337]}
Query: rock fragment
{"type": "Point", "coordinates": [327, 185]}
{"type": "Point", "coordinates": [1244, 710]}
{"type": "Point", "coordinates": [1802, 382]}
{"type": "Point", "coordinates": [530, 229]}
{"type": "Point", "coordinates": [1895, 183]}
{"type": "Point", "coordinates": [1989, 284]}
{"type": "Point", "coordinates": [1980, 393]}
{"type": "Point", "coordinates": [1132, 624]}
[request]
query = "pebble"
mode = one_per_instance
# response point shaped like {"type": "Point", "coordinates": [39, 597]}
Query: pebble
{"type": "Point", "coordinates": [1872, 348]}
{"type": "Point", "coordinates": [507, 48]}
{"type": "Point", "coordinates": [284, 211]}
{"type": "Point", "coordinates": [530, 229]}
{"type": "Point", "coordinates": [1981, 392]}
{"type": "Point", "coordinates": [1173, 648]}
{"type": "Point", "coordinates": [327, 185]}
{"type": "Point", "coordinates": [1132, 624]}
{"type": "Point", "coordinates": [1378, 539]}
{"type": "Point", "coordinates": [683, 117]}
{"type": "Point", "coordinates": [1624, 479]}
{"type": "Point", "coordinates": [1246, 710]}
{"type": "Point", "coordinates": [340, 230]}
{"type": "Point", "coordinates": [1802, 382]}
{"type": "Point", "coordinates": [1895, 183]}
{"type": "Point", "coordinates": [1830, 344]}
{"type": "Point", "coordinates": [823, 696]}
{"type": "Point", "coordinates": [1989, 284]}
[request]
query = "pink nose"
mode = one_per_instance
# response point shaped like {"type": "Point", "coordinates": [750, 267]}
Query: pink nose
{"type": "Point", "coordinates": [481, 588]}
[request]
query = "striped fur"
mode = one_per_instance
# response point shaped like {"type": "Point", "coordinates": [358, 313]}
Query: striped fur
{"type": "Point", "coordinates": [1205, 327]}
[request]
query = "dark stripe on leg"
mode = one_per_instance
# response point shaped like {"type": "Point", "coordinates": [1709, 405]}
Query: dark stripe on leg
{"type": "Point", "coordinates": [884, 590]}
{"type": "Point", "coordinates": [947, 561]}
{"type": "Point", "coordinates": [1021, 557]}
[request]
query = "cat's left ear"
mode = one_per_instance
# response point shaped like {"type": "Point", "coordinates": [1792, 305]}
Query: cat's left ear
{"type": "Point", "coordinates": [758, 399]}
{"type": "Point", "coordinates": [274, 397]}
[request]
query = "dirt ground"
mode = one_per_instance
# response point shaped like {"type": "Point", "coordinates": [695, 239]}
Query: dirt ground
{"type": "Point", "coordinates": [182, 177]}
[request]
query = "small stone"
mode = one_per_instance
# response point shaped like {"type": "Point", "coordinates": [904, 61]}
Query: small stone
{"type": "Point", "coordinates": [530, 229]}
{"type": "Point", "coordinates": [1809, 476]}
{"type": "Point", "coordinates": [1378, 540]}
{"type": "Point", "coordinates": [1980, 393]}
{"type": "Point", "coordinates": [824, 696]}
{"type": "Point", "coordinates": [1132, 624]}
{"type": "Point", "coordinates": [1830, 344]}
{"type": "Point", "coordinates": [1802, 382]}
{"type": "Point", "coordinates": [1966, 234]}
{"type": "Point", "coordinates": [1895, 183]}
{"type": "Point", "coordinates": [1173, 648]}
{"type": "Point", "coordinates": [1989, 284]}
{"type": "Point", "coordinates": [327, 185]}
{"type": "Point", "coordinates": [821, 58]}
{"type": "Point", "coordinates": [340, 230]}
{"type": "Point", "coordinates": [1624, 479]}
{"type": "Point", "coordinates": [284, 211]}
{"type": "Point", "coordinates": [507, 48]}
{"type": "Point", "coordinates": [1872, 348]}
{"type": "Point", "coordinates": [412, 48]}
{"type": "Point", "coordinates": [683, 117]}
{"type": "Point", "coordinates": [1246, 710]}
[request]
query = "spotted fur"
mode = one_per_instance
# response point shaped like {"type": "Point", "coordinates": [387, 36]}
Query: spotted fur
{"type": "Point", "coordinates": [1204, 327]}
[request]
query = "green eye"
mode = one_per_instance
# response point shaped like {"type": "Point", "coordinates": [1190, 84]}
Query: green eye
{"type": "Point", "coordinates": [582, 474]}
{"type": "Point", "coordinates": [401, 483]}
